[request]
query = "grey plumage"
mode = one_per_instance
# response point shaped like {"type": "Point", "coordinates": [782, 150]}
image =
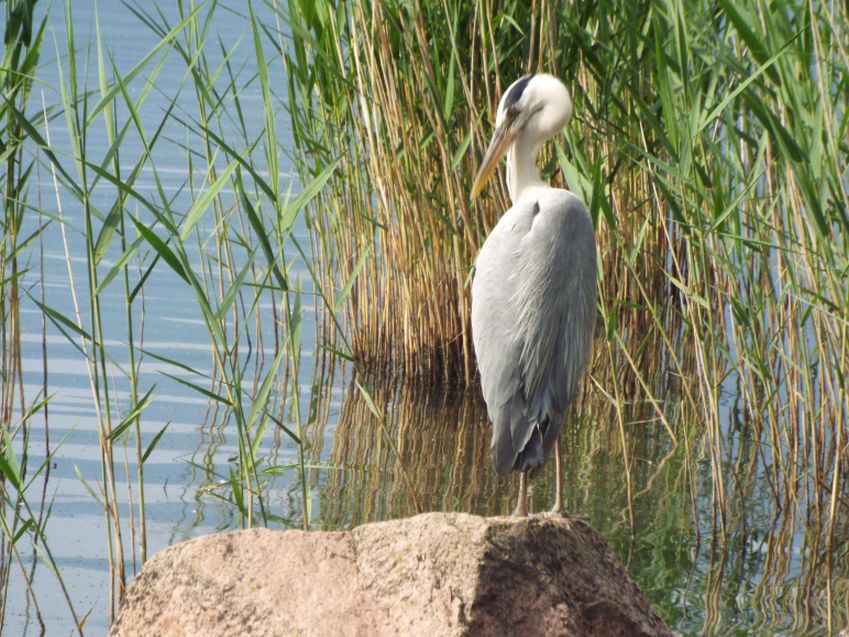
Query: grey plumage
{"type": "Point", "coordinates": [533, 309]}
{"type": "Point", "coordinates": [534, 288]}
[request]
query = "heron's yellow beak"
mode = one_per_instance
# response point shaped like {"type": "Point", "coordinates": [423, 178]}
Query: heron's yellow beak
{"type": "Point", "coordinates": [501, 141]}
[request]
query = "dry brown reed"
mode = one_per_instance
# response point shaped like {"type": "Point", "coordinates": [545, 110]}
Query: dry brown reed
{"type": "Point", "coordinates": [710, 146]}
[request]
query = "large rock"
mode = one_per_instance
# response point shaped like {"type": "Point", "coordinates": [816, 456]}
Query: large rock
{"type": "Point", "coordinates": [434, 574]}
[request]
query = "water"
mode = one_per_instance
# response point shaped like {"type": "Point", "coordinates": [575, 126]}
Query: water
{"type": "Point", "coordinates": [172, 327]}
{"type": "Point", "coordinates": [438, 459]}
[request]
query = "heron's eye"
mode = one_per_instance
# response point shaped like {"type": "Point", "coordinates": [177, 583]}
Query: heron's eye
{"type": "Point", "coordinates": [512, 113]}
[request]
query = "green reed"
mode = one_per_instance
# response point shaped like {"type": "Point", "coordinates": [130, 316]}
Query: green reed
{"type": "Point", "coordinates": [23, 521]}
{"type": "Point", "coordinates": [239, 223]}
{"type": "Point", "coordinates": [710, 147]}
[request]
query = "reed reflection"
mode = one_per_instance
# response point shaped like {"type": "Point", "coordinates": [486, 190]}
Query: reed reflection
{"type": "Point", "coordinates": [431, 455]}
{"type": "Point", "coordinates": [705, 565]}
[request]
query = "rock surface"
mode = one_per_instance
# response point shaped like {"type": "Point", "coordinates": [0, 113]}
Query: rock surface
{"type": "Point", "coordinates": [433, 574]}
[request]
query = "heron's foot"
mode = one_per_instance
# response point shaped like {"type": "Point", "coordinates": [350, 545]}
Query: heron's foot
{"type": "Point", "coordinates": [562, 515]}
{"type": "Point", "coordinates": [558, 513]}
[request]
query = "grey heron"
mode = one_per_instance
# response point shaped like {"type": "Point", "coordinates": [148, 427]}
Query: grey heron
{"type": "Point", "coordinates": [534, 289]}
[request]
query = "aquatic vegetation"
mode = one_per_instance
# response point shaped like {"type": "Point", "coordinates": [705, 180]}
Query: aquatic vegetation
{"type": "Point", "coordinates": [711, 150]}
{"type": "Point", "coordinates": [710, 444]}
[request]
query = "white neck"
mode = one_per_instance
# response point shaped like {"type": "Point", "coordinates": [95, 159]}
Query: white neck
{"type": "Point", "coordinates": [522, 166]}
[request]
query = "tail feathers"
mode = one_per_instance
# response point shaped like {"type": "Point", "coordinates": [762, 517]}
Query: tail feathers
{"type": "Point", "coordinates": [519, 447]}
{"type": "Point", "coordinates": [510, 433]}
{"type": "Point", "coordinates": [532, 456]}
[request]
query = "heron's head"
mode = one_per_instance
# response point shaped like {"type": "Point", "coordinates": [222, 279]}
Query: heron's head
{"type": "Point", "coordinates": [534, 108]}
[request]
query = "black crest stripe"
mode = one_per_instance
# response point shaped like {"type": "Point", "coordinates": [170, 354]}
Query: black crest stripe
{"type": "Point", "coordinates": [515, 92]}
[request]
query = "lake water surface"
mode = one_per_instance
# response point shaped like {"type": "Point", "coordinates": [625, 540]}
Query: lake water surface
{"type": "Point", "coordinates": [440, 437]}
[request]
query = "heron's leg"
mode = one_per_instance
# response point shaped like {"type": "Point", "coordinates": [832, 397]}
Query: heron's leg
{"type": "Point", "coordinates": [522, 506]}
{"type": "Point", "coordinates": [557, 509]}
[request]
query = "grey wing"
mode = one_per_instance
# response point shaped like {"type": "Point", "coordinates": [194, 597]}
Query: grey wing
{"type": "Point", "coordinates": [497, 348]}
{"type": "Point", "coordinates": [533, 311]}
{"type": "Point", "coordinates": [557, 307]}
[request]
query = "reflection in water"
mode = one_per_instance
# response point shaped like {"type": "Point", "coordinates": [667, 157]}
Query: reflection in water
{"type": "Point", "coordinates": [767, 571]}
{"type": "Point", "coordinates": [431, 455]}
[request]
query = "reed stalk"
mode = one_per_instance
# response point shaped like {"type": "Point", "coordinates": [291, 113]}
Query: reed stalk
{"type": "Point", "coordinates": [710, 147]}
